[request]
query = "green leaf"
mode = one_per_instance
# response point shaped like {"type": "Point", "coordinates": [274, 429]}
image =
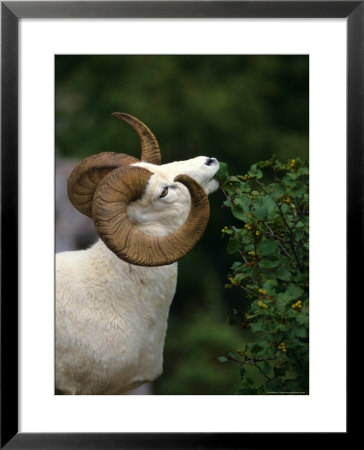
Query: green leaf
{"type": "Point", "coordinates": [244, 202]}
{"type": "Point", "coordinates": [298, 173]}
{"type": "Point", "coordinates": [276, 191]}
{"type": "Point", "coordinates": [302, 318]}
{"type": "Point", "coordinates": [222, 359]}
{"type": "Point", "coordinates": [267, 247]}
{"type": "Point", "coordinates": [256, 326]}
{"type": "Point", "coordinates": [269, 285]}
{"type": "Point", "coordinates": [270, 263]}
{"type": "Point", "coordinates": [233, 245]}
{"type": "Point", "coordinates": [264, 206]}
{"type": "Point", "coordinates": [300, 332]}
{"type": "Point", "coordinates": [241, 276]}
{"type": "Point", "coordinates": [222, 174]}
{"type": "Point", "coordinates": [239, 214]}
{"type": "Point", "coordinates": [256, 348]}
{"type": "Point", "coordinates": [254, 172]}
{"type": "Point", "coordinates": [283, 274]}
{"type": "Point", "coordinates": [294, 291]}
{"type": "Point", "coordinates": [266, 367]}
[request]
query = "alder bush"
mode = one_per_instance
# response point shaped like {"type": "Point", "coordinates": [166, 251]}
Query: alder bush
{"type": "Point", "coordinates": [271, 270]}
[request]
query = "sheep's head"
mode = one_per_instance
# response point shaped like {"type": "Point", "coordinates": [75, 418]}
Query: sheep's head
{"type": "Point", "coordinates": [139, 207]}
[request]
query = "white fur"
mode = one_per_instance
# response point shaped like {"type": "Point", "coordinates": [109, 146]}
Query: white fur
{"type": "Point", "coordinates": [111, 316]}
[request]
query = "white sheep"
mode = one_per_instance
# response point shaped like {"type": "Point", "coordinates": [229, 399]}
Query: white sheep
{"type": "Point", "coordinates": [113, 299]}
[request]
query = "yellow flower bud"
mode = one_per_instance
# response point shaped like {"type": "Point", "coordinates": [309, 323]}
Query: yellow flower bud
{"type": "Point", "coordinates": [297, 305]}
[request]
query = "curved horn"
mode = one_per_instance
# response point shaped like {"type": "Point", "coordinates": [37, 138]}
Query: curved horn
{"type": "Point", "coordinates": [149, 143]}
{"type": "Point", "coordinates": [85, 177]}
{"type": "Point", "coordinates": [124, 239]}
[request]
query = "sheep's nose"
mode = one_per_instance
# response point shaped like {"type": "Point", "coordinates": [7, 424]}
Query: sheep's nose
{"type": "Point", "coordinates": [210, 161]}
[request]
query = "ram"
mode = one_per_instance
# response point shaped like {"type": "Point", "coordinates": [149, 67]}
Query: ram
{"type": "Point", "coordinates": [113, 299]}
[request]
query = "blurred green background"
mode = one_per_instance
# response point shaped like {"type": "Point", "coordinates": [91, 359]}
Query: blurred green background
{"type": "Point", "coordinates": [237, 108]}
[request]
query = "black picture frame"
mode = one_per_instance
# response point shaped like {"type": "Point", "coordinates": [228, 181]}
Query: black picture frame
{"type": "Point", "coordinates": [11, 12]}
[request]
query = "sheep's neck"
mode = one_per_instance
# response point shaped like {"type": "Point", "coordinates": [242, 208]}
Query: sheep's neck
{"type": "Point", "coordinates": [152, 286]}
{"type": "Point", "coordinates": [118, 268]}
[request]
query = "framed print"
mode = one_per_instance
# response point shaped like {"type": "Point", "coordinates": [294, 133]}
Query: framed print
{"type": "Point", "coordinates": [60, 61]}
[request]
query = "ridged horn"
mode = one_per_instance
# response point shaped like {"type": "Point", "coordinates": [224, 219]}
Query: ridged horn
{"type": "Point", "coordinates": [85, 177]}
{"type": "Point", "coordinates": [109, 211]}
{"type": "Point", "coordinates": [150, 147]}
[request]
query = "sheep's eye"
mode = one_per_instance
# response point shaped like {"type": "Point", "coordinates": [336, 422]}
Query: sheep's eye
{"type": "Point", "coordinates": [164, 192]}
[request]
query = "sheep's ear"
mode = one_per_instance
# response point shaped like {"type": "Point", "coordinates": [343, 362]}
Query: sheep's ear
{"type": "Point", "coordinates": [150, 147]}
{"type": "Point", "coordinates": [86, 176]}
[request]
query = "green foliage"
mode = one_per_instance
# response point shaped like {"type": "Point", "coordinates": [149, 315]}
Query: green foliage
{"type": "Point", "coordinates": [271, 268]}
{"type": "Point", "coordinates": [211, 105]}
{"type": "Point", "coordinates": [190, 363]}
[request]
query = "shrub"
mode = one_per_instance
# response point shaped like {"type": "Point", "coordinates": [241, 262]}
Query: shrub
{"type": "Point", "coordinates": [270, 242]}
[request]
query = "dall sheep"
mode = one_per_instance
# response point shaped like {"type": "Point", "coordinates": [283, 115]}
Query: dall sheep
{"type": "Point", "coordinates": [113, 299]}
